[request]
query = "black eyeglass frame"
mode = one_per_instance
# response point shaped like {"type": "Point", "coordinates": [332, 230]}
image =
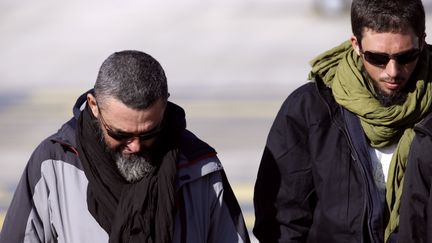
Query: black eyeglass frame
{"type": "Point", "coordinates": [382, 59]}
{"type": "Point", "coordinates": [125, 136]}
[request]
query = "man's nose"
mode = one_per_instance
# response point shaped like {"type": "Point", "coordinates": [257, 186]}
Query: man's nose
{"type": "Point", "coordinates": [134, 145]}
{"type": "Point", "coordinates": [392, 68]}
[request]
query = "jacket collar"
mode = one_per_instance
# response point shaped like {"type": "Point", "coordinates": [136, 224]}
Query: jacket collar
{"type": "Point", "coordinates": [325, 93]}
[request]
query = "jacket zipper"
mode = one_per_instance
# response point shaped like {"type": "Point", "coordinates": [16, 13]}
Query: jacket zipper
{"type": "Point", "coordinates": [354, 156]}
{"type": "Point", "coordinates": [366, 192]}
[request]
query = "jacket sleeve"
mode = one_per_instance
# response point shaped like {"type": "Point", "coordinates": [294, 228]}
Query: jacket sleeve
{"type": "Point", "coordinates": [284, 197]}
{"type": "Point", "coordinates": [416, 203]}
{"type": "Point", "coordinates": [23, 222]}
{"type": "Point", "coordinates": [227, 220]}
{"type": "Point", "coordinates": [209, 212]}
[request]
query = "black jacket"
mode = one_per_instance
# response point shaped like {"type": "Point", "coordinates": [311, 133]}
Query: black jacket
{"type": "Point", "coordinates": [416, 204]}
{"type": "Point", "coordinates": [315, 179]}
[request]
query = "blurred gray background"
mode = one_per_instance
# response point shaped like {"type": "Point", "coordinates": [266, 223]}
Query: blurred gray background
{"type": "Point", "coordinates": [230, 65]}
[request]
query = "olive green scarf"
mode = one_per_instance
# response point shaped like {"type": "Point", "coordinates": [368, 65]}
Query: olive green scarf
{"type": "Point", "coordinates": [340, 69]}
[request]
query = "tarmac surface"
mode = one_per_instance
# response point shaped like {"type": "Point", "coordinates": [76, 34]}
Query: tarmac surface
{"type": "Point", "coordinates": [229, 64]}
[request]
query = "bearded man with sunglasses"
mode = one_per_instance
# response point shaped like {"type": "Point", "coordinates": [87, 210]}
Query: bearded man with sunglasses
{"type": "Point", "coordinates": [333, 166]}
{"type": "Point", "coordinates": [125, 169]}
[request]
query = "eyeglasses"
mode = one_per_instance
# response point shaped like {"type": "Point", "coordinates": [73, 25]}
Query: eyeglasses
{"type": "Point", "coordinates": [124, 136]}
{"type": "Point", "coordinates": [381, 59]}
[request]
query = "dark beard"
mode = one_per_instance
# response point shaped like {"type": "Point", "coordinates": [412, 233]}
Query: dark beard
{"type": "Point", "coordinates": [396, 98]}
{"type": "Point", "coordinates": [133, 167]}
{"type": "Point", "coordinates": [386, 100]}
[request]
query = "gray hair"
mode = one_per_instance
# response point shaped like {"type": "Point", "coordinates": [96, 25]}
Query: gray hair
{"type": "Point", "coordinates": [132, 77]}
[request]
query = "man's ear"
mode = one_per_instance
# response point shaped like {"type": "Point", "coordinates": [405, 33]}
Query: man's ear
{"type": "Point", "coordinates": [91, 101]}
{"type": "Point", "coordinates": [355, 44]}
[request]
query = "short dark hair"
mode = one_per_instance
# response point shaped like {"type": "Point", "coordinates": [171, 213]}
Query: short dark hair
{"type": "Point", "coordinates": [133, 77]}
{"type": "Point", "coordinates": [387, 16]}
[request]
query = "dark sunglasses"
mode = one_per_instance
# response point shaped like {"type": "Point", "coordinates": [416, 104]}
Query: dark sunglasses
{"type": "Point", "coordinates": [381, 59]}
{"type": "Point", "coordinates": [124, 136]}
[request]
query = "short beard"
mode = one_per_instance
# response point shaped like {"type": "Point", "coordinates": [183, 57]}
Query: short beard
{"type": "Point", "coordinates": [396, 98]}
{"type": "Point", "coordinates": [385, 99]}
{"type": "Point", "coordinates": [133, 167]}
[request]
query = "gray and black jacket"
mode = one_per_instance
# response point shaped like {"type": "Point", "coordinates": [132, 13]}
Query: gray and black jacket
{"type": "Point", "coordinates": [50, 203]}
{"type": "Point", "coordinates": [315, 181]}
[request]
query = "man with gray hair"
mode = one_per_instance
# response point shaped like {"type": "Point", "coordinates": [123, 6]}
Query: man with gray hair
{"type": "Point", "coordinates": [125, 169]}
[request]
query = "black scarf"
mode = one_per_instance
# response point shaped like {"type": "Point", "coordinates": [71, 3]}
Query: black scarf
{"type": "Point", "coordinates": [130, 212]}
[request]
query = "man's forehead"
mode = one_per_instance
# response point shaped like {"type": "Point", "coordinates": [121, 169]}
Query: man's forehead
{"type": "Point", "coordinates": [389, 40]}
{"type": "Point", "coordinates": [116, 109]}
